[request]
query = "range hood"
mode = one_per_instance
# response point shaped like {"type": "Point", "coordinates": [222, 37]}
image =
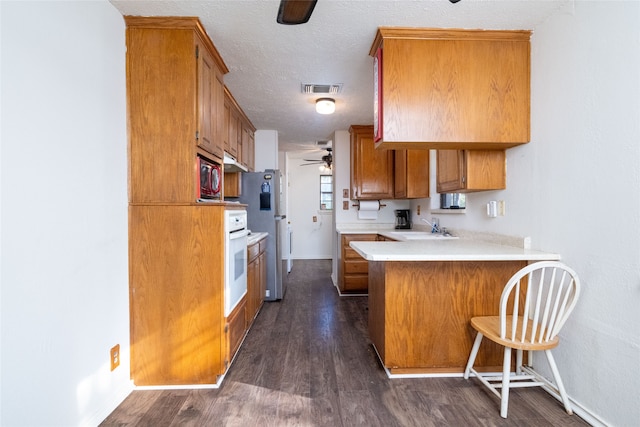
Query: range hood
{"type": "Point", "coordinates": [232, 165]}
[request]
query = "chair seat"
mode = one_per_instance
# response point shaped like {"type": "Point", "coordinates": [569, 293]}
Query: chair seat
{"type": "Point", "coordinates": [489, 326]}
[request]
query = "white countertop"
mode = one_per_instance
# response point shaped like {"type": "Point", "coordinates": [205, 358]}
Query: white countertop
{"type": "Point", "coordinates": [255, 237]}
{"type": "Point", "coordinates": [447, 250]}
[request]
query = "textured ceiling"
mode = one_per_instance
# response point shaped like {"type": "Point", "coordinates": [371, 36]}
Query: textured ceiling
{"type": "Point", "coordinates": [268, 62]}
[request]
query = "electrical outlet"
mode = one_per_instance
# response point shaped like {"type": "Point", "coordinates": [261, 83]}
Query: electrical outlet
{"type": "Point", "coordinates": [345, 205]}
{"type": "Point", "coordinates": [501, 208]}
{"type": "Point", "coordinates": [315, 218]}
{"type": "Point", "coordinates": [267, 293]}
{"type": "Point", "coordinates": [418, 209]}
{"type": "Point", "coordinates": [115, 356]}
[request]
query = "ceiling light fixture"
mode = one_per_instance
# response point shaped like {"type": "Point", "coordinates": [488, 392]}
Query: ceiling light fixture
{"type": "Point", "coordinates": [325, 105]}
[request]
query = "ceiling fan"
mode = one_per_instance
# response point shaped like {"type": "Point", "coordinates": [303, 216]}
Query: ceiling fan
{"type": "Point", "coordinates": [327, 159]}
{"type": "Point", "coordinates": [294, 12]}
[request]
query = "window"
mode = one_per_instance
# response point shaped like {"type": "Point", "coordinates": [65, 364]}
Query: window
{"type": "Point", "coordinates": [326, 192]}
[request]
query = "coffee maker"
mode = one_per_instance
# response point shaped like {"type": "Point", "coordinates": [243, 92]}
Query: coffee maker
{"type": "Point", "coordinates": [403, 218]}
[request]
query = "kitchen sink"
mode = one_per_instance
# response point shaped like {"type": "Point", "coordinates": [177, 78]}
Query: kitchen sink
{"type": "Point", "coordinates": [416, 235]}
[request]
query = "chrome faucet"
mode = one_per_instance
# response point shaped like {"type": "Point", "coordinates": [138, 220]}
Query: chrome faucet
{"type": "Point", "coordinates": [435, 227]}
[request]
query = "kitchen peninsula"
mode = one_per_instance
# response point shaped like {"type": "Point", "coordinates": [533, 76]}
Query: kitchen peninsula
{"type": "Point", "coordinates": [422, 295]}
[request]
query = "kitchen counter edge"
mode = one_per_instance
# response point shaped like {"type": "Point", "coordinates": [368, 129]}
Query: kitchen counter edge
{"type": "Point", "coordinates": [447, 250]}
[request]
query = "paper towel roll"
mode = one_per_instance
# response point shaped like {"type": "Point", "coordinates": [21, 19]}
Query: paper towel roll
{"type": "Point", "coordinates": [368, 209]}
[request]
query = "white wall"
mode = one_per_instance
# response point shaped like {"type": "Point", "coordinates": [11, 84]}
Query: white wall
{"type": "Point", "coordinates": [64, 213]}
{"type": "Point", "coordinates": [311, 240]}
{"type": "Point", "coordinates": [575, 190]}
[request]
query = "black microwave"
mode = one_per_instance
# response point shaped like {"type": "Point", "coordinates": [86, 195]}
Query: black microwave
{"type": "Point", "coordinates": [210, 180]}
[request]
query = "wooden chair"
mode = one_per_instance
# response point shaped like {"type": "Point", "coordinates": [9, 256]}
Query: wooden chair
{"type": "Point", "coordinates": [547, 292]}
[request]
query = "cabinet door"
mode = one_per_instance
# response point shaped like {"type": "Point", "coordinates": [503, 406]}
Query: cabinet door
{"type": "Point", "coordinates": [244, 158]}
{"type": "Point", "coordinates": [226, 120]}
{"type": "Point", "coordinates": [471, 170]}
{"type": "Point", "coordinates": [217, 114]}
{"type": "Point", "coordinates": [262, 278]}
{"type": "Point", "coordinates": [252, 285]}
{"type": "Point", "coordinates": [210, 104]}
{"type": "Point", "coordinates": [450, 171]}
{"type": "Point", "coordinates": [371, 169]}
{"type": "Point", "coordinates": [206, 76]}
{"type": "Point", "coordinates": [232, 184]}
{"type": "Point", "coordinates": [411, 174]}
{"type": "Point", "coordinates": [166, 277]}
{"type": "Point", "coordinates": [464, 89]}
{"type": "Point", "coordinates": [234, 123]}
{"type": "Point", "coordinates": [252, 151]}
{"type": "Point", "coordinates": [400, 174]}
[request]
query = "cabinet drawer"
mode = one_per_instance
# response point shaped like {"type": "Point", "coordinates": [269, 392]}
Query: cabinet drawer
{"type": "Point", "coordinates": [346, 238]}
{"type": "Point", "coordinates": [356, 267]}
{"type": "Point", "coordinates": [350, 253]}
{"type": "Point", "coordinates": [356, 283]}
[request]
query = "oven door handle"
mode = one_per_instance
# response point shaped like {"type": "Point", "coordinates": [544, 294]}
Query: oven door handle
{"type": "Point", "coordinates": [238, 234]}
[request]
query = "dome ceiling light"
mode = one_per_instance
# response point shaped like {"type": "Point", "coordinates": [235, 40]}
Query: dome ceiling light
{"type": "Point", "coordinates": [325, 105]}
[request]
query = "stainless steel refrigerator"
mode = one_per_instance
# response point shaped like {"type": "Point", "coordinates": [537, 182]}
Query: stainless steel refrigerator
{"type": "Point", "coordinates": [262, 193]}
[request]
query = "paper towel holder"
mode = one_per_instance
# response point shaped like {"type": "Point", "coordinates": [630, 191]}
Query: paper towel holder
{"type": "Point", "coordinates": [357, 204]}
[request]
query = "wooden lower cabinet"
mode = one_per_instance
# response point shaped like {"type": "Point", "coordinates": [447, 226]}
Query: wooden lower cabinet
{"type": "Point", "coordinates": [235, 329]}
{"type": "Point", "coordinates": [176, 269]}
{"type": "Point", "coordinates": [256, 279]}
{"type": "Point", "coordinates": [419, 312]}
{"type": "Point", "coordinates": [353, 269]}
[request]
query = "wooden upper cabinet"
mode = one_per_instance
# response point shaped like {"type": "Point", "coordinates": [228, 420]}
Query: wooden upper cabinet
{"type": "Point", "coordinates": [231, 123]}
{"type": "Point", "coordinates": [465, 171]}
{"type": "Point", "coordinates": [206, 75]}
{"type": "Point", "coordinates": [239, 138]}
{"type": "Point", "coordinates": [175, 106]}
{"type": "Point", "coordinates": [371, 169]}
{"type": "Point", "coordinates": [248, 146]}
{"type": "Point", "coordinates": [211, 126]}
{"type": "Point", "coordinates": [218, 115]}
{"type": "Point", "coordinates": [411, 174]}
{"type": "Point", "coordinates": [452, 89]}
{"type": "Point", "coordinates": [210, 132]}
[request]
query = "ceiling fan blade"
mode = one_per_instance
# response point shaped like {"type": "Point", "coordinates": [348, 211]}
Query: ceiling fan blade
{"type": "Point", "coordinates": [314, 163]}
{"type": "Point", "coordinates": [294, 12]}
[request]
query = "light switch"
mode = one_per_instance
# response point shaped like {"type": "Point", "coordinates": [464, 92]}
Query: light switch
{"type": "Point", "coordinates": [345, 205]}
{"type": "Point", "coordinates": [315, 218]}
{"type": "Point", "coordinates": [345, 193]}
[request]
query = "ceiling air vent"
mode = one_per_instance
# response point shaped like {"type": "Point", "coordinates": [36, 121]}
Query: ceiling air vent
{"type": "Point", "coordinates": [323, 143]}
{"type": "Point", "coordinates": [326, 89]}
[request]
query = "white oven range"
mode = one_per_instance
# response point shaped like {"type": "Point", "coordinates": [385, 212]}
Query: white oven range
{"type": "Point", "coordinates": [235, 258]}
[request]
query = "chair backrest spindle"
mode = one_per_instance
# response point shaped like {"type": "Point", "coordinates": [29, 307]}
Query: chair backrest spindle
{"type": "Point", "coordinates": [548, 301]}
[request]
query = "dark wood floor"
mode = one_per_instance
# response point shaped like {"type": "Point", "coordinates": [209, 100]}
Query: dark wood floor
{"type": "Point", "coordinates": [307, 361]}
